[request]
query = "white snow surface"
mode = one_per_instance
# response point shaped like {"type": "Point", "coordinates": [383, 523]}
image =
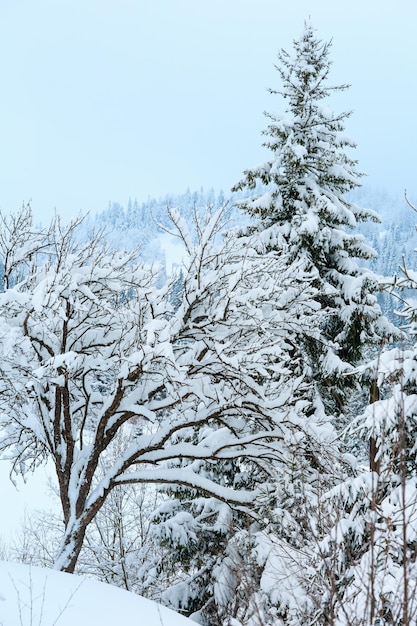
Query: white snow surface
{"type": "Point", "coordinates": [33, 595]}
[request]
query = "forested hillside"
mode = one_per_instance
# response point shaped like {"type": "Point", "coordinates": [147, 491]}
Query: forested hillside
{"type": "Point", "coordinates": [219, 387]}
{"type": "Point", "coordinates": [139, 223]}
{"type": "Point", "coordinates": [394, 238]}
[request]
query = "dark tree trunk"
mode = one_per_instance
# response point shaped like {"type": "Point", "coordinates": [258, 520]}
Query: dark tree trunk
{"type": "Point", "coordinates": [374, 464]}
{"type": "Point", "coordinates": [71, 548]}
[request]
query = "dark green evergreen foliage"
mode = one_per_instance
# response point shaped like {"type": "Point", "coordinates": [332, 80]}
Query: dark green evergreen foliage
{"type": "Point", "coordinates": [305, 211]}
{"type": "Point", "coordinates": [367, 560]}
{"type": "Point", "coordinates": [213, 556]}
{"type": "Point", "coordinates": [177, 290]}
{"type": "Point", "coordinates": [308, 163]}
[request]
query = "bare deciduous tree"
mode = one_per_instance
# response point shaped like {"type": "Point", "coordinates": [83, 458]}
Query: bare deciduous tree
{"type": "Point", "coordinates": [91, 348]}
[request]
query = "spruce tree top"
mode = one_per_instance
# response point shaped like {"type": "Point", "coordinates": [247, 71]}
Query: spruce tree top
{"type": "Point", "coordinates": [309, 172]}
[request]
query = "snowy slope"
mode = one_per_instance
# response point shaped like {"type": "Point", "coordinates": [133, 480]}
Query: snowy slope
{"type": "Point", "coordinates": [33, 596]}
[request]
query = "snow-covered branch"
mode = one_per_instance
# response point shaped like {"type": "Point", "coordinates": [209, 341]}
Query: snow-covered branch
{"type": "Point", "coordinates": [92, 348]}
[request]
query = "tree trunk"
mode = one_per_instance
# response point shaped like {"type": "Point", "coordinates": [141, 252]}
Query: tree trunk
{"type": "Point", "coordinates": [71, 545]}
{"type": "Point", "coordinates": [374, 464]}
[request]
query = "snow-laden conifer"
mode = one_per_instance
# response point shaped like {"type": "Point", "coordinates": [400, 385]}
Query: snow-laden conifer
{"type": "Point", "coordinates": [303, 210]}
{"type": "Point", "coordinates": [372, 545]}
{"type": "Point", "coordinates": [302, 214]}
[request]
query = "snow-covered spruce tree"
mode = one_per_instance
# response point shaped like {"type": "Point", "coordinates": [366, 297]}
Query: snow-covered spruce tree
{"type": "Point", "coordinates": [302, 216]}
{"type": "Point", "coordinates": [303, 209]}
{"type": "Point", "coordinates": [374, 539]}
{"type": "Point", "coordinates": [92, 349]}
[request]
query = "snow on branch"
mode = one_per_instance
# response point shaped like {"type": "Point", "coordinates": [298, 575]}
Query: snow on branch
{"type": "Point", "coordinates": [99, 352]}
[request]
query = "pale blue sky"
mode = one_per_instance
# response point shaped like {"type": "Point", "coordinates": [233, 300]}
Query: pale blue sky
{"type": "Point", "coordinates": [106, 99]}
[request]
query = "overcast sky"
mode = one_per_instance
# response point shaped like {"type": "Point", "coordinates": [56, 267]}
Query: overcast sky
{"type": "Point", "coordinates": [106, 99]}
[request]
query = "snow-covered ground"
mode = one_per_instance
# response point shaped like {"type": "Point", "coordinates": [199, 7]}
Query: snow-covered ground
{"type": "Point", "coordinates": [33, 596]}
